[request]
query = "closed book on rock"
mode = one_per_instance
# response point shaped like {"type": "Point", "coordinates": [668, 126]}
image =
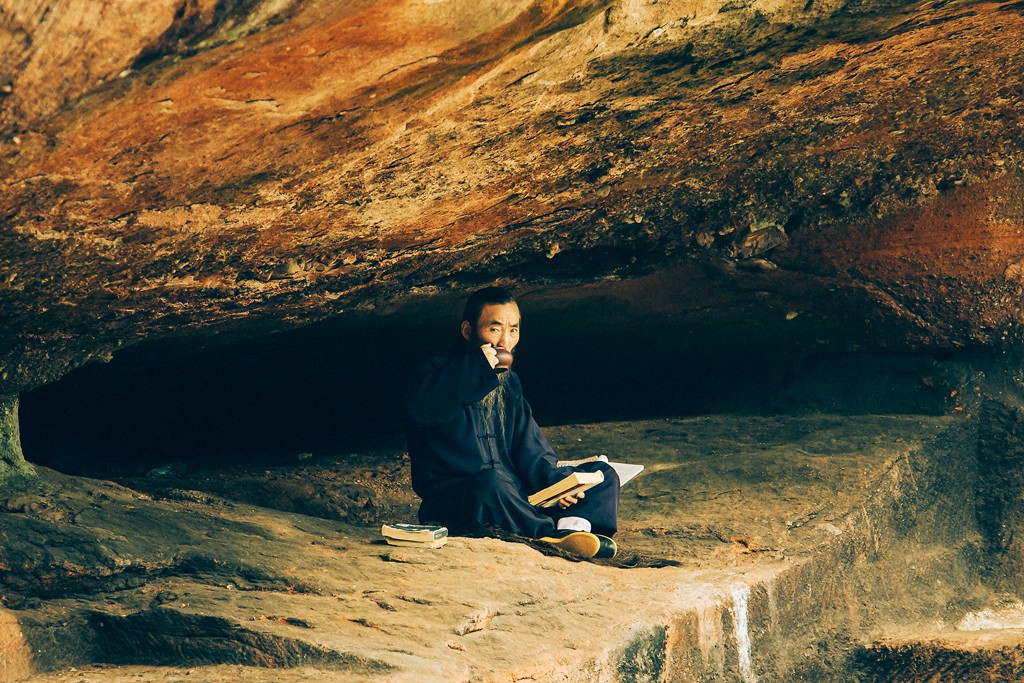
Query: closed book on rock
{"type": "Point", "coordinates": [437, 543]}
{"type": "Point", "coordinates": [574, 483]}
{"type": "Point", "coordinates": [415, 535]}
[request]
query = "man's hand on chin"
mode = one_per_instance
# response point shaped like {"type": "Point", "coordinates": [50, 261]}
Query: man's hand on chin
{"type": "Point", "coordinates": [491, 354]}
{"type": "Point", "coordinates": [571, 499]}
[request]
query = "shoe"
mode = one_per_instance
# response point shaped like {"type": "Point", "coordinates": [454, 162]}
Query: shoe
{"type": "Point", "coordinates": [582, 543]}
{"type": "Point", "coordinates": [608, 548]}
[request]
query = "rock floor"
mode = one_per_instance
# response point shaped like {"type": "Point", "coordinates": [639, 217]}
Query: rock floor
{"type": "Point", "coordinates": [744, 541]}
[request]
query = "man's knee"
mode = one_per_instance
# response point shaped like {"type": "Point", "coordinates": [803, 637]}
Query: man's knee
{"type": "Point", "coordinates": [611, 477]}
{"type": "Point", "coordinates": [491, 485]}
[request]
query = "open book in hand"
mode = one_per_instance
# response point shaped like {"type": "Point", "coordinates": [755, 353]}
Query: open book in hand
{"type": "Point", "coordinates": [570, 485]}
{"type": "Point", "coordinates": [625, 470]}
{"type": "Point", "coordinates": [581, 481]}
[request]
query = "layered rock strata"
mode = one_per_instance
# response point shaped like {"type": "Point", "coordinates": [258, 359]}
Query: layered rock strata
{"type": "Point", "coordinates": [238, 166]}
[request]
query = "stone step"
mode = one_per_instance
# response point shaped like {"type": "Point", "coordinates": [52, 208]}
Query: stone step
{"type": "Point", "coordinates": [985, 656]}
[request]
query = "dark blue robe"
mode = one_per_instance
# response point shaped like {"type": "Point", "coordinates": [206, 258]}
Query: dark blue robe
{"type": "Point", "coordinates": [472, 475]}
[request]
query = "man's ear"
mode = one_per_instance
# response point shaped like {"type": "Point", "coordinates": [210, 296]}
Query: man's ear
{"type": "Point", "coordinates": [466, 330]}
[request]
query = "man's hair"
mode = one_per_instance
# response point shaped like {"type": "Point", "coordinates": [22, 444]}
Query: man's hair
{"type": "Point", "coordinates": [488, 296]}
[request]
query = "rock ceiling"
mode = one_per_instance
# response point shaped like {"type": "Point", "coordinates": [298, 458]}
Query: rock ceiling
{"type": "Point", "coordinates": [178, 166]}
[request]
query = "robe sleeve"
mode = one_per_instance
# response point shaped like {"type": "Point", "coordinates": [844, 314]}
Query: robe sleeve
{"type": "Point", "coordinates": [442, 387]}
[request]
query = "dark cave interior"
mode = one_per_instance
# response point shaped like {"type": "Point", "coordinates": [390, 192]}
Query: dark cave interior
{"type": "Point", "coordinates": [612, 351]}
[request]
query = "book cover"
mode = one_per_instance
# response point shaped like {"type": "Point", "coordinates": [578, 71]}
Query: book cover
{"type": "Point", "coordinates": [574, 483]}
{"type": "Point", "coordinates": [418, 533]}
{"type": "Point", "coordinates": [626, 471]}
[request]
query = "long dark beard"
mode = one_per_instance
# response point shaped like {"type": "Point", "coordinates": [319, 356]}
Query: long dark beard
{"type": "Point", "coordinates": [495, 401]}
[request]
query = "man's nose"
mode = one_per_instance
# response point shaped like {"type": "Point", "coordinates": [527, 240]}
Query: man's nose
{"type": "Point", "coordinates": [504, 339]}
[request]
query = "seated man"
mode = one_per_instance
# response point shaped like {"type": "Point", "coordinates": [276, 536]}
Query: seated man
{"type": "Point", "coordinates": [477, 453]}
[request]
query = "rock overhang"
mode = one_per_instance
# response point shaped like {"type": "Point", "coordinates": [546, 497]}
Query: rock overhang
{"type": "Point", "coordinates": [297, 161]}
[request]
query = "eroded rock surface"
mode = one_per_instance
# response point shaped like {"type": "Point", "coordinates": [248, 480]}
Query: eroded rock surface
{"type": "Point", "coordinates": [802, 525]}
{"type": "Point", "coordinates": [263, 164]}
{"type": "Point", "coordinates": [839, 176]}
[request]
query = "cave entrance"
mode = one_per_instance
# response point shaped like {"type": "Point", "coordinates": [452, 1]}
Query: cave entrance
{"type": "Point", "coordinates": [700, 339]}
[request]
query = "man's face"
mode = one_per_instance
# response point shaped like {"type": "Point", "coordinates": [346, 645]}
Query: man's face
{"type": "Point", "coordinates": [498, 325]}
